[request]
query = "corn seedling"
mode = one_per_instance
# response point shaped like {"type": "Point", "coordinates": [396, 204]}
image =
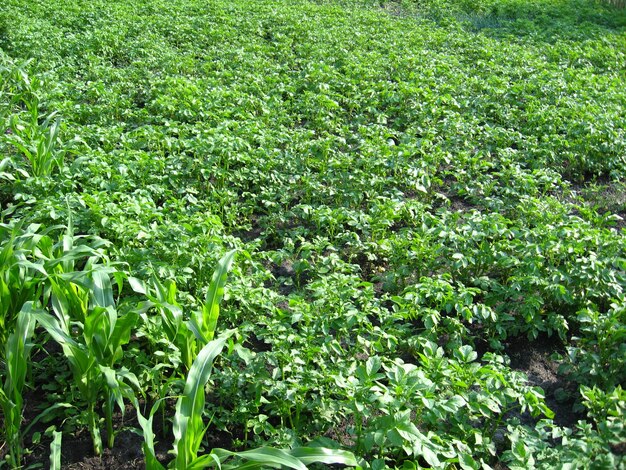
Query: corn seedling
{"type": "Point", "coordinates": [188, 427]}
{"type": "Point", "coordinates": [185, 335]}
{"type": "Point", "coordinates": [35, 136]}
{"type": "Point", "coordinates": [38, 143]}
{"type": "Point", "coordinates": [204, 322]}
{"type": "Point", "coordinates": [33, 266]}
{"type": "Point", "coordinates": [55, 450]}
{"type": "Point", "coordinates": [94, 351]}
{"type": "Point", "coordinates": [21, 278]}
{"type": "Point", "coordinates": [16, 87]}
{"type": "Point", "coordinates": [16, 356]}
{"type": "Point", "coordinates": [70, 291]}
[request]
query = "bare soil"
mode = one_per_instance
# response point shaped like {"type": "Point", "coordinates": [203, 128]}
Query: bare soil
{"type": "Point", "coordinates": [127, 454]}
{"type": "Point", "coordinates": [534, 359]}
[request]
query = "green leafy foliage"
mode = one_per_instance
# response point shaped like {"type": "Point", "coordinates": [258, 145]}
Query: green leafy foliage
{"type": "Point", "coordinates": [414, 190]}
{"type": "Point", "coordinates": [189, 429]}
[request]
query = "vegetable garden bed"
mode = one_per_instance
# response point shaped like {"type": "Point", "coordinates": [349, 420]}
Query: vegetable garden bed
{"type": "Point", "coordinates": [312, 233]}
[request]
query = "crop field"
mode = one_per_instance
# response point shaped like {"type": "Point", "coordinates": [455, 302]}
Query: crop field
{"type": "Point", "coordinates": [247, 234]}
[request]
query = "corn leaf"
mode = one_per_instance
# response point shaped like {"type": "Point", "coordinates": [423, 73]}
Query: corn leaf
{"type": "Point", "coordinates": [261, 458]}
{"type": "Point", "coordinates": [71, 349]}
{"type": "Point", "coordinates": [18, 348]}
{"type": "Point", "coordinates": [204, 323]}
{"type": "Point", "coordinates": [17, 352]}
{"type": "Point", "coordinates": [297, 458]}
{"type": "Point", "coordinates": [188, 426]}
{"type": "Point", "coordinates": [102, 289]}
{"type": "Point", "coordinates": [45, 414]}
{"type": "Point", "coordinates": [148, 436]}
{"type": "Point", "coordinates": [55, 451]}
{"type": "Point", "coordinates": [309, 455]}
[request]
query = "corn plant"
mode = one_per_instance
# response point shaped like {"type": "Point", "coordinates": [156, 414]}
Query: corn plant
{"type": "Point", "coordinates": [38, 143]}
{"type": "Point", "coordinates": [188, 424]}
{"type": "Point", "coordinates": [204, 322]}
{"type": "Point", "coordinates": [21, 278]}
{"type": "Point", "coordinates": [93, 346]}
{"type": "Point", "coordinates": [35, 136]}
{"type": "Point", "coordinates": [200, 328]}
{"type": "Point", "coordinates": [34, 266]}
{"type": "Point", "coordinates": [16, 356]}
{"type": "Point", "coordinates": [15, 87]}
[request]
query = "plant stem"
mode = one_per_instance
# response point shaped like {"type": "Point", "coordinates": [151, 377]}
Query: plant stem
{"type": "Point", "coordinates": [95, 432]}
{"type": "Point", "coordinates": [108, 412]}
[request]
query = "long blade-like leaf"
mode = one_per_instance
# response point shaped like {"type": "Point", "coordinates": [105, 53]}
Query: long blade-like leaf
{"type": "Point", "coordinates": [55, 451]}
{"type": "Point", "coordinates": [190, 405]}
{"type": "Point", "coordinates": [102, 290]}
{"type": "Point", "coordinates": [148, 435]}
{"type": "Point", "coordinates": [18, 350]}
{"type": "Point", "coordinates": [72, 350]}
{"type": "Point", "coordinates": [121, 332]}
{"type": "Point", "coordinates": [211, 308]}
{"type": "Point", "coordinates": [262, 457]}
{"type": "Point", "coordinates": [44, 414]}
{"type": "Point", "coordinates": [309, 455]}
{"type": "Point", "coordinates": [267, 457]}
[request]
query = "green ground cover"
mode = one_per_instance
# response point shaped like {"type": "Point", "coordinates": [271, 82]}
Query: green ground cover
{"type": "Point", "coordinates": [426, 206]}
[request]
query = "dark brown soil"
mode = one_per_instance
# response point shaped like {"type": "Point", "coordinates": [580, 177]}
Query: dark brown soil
{"type": "Point", "coordinates": [126, 454]}
{"type": "Point", "coordinates": [534, 359]}
{"type": "Point", "coordinates": [253, 233]}
{"type": "Point", "coordinates": [287, 277]}
{"type": "Point", "coordinates": [77, 453]}
{"type": "Point", "coordinates": [604, 196]}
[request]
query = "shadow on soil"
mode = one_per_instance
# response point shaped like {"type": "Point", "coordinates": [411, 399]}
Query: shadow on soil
{"type": "Point", "coordinates": [539, 20]}
{"type": "Point", "coordinates": [534, 359]}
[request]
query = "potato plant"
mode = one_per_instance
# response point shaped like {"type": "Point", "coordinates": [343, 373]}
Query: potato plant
{"type": "Point", "coordinates": [425, 202]}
